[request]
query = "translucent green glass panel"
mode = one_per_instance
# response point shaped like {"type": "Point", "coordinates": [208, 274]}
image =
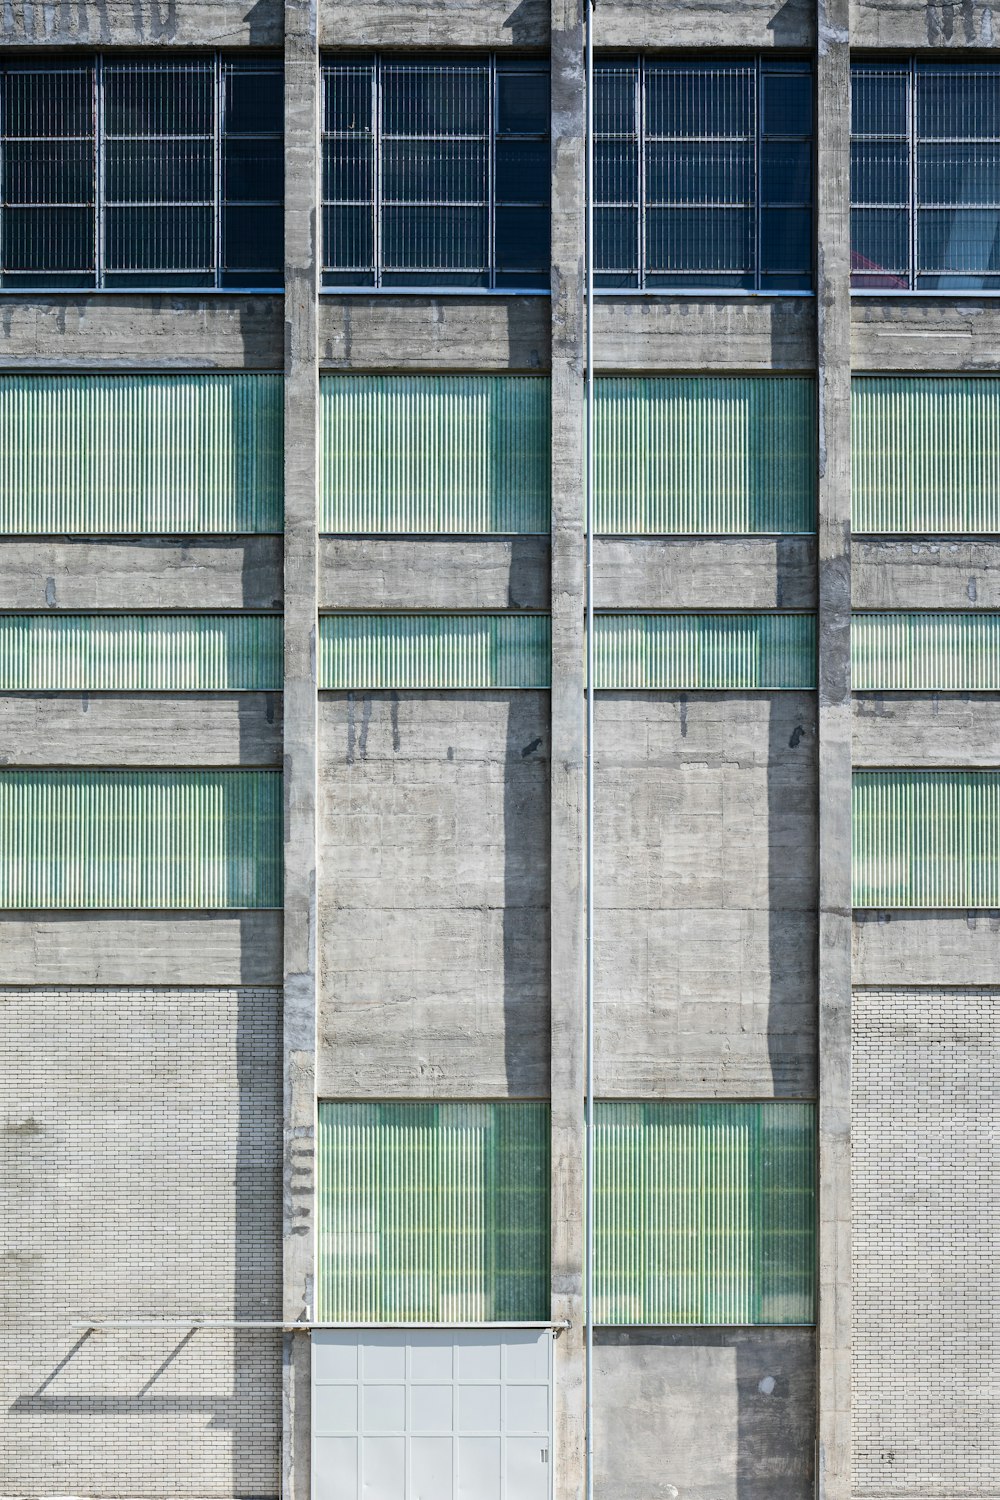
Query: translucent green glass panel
{"type": "Point", "coordinates": [140, 839]}
{"type": "Point", "coordinates": [925, 652]}
{"type": "Point", "coordinates": [433, 1212]}
{"type": "Point", "coordinates": [705, 455]}
{"type": "Point", "coordinates": [706, 651]}
{"type": "Point", "coordinates": [120, 455]}
{"type": "Point", "coordinates": [434, 651]}
{"type": "Point", "coordinates": [926, 454]}
{"type": "Point", "coordinates": [435, 453]}
{"type": "Point", "coordinates": [140, 653]}
{"type": "Point", "coordinates": [705, 1212]}
{"type": "Point", "coordinates": [927, 839]}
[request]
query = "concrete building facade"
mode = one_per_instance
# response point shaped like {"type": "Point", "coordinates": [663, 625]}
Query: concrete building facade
{"type": "Point", "coordinates": [294, 778]}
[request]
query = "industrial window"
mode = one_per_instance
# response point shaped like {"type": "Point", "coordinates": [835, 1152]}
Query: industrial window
{"type": "Point", "coordinates": [436, 173]}
{"type": "Point", "coordinates": [925, 176]}
{"type": "Point", "coordinates": [927, 839]}
{"type": "Point", "coordinates": [703, 174]}
{"type": "Point", "coordinates": [132, 172]}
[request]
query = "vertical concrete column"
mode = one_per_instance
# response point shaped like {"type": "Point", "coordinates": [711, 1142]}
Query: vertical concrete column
{"type": "Point", "coordinates": [567, 787]}
{"type": "Point", "coordinates": [833, 311]}
{"type": "Point", "coordinates": [302, 107]}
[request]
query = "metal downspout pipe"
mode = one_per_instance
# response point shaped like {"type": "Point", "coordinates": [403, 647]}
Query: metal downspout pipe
{"type": "Point", "coordinates": [588, 1274]}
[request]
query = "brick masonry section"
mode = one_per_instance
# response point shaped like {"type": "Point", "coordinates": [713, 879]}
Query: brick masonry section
{"type": "Point", "coordinates": [926, 1178]}
{"type": "Point", "coordinates": [141, 1178]}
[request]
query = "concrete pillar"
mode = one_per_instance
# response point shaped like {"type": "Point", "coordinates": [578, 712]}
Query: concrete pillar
{"type": "Point", "coordinates": [833, 312]}
{"type": "Point", "coordinates": [302, 106]}
{"type": "Point", "coordinates": [567, 784]}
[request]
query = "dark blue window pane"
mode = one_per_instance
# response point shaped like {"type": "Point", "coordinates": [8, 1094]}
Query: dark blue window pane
{"type": "Point", "coordinates": [434, 171]}
{"type": "Point", "coordinates": [522, 239]}
{"type": "Point", "coordinates": [878, 101]}
{"type": "Point", "coordinates": [160, 171]}
{"type": "Point", "coordinates": [880, 248]}
{"type": "Point", "coordinates": [49, 101]}
{"type": "Point", "coordinates": [150, 99]}
{"type": "Point", "coordinates": [707, 239]}
{"type": "Point", "coordinates": [679, 172]}
{"type": "Point", "coordinates": [446, 239]}
{"type": "Point", "coordinates": [253, 99]}
{"type": "Point", "coordinates": [347, 102]}
{"type": "Point", "coordinates": [435, 101]}
{"type": "Point", "coordinates": [958, 174]}
{"type": "Point", "coordinates": [159, 239]}
{"type": "Point", "coordinates": [959, 100]}
{"type": "Point", "coordinates": [252, 169]}
{"type": "Point", "coordinates": [522, 171]}
{"type": "Point", "coordinates": [522, 103]}
{"type": "Point", "coordinates": [347, 237]}
{"type": "Point", "coordinates": [786, 172]}
{"type": "Point", "coordinates": [786, 103]}
{"type": "Point", "coordinates": [880, 172]}
{"type": "Point", "coordinates": [49, 172]}
{"type": "Point", "coordinates": [48, 239]}
{"type": "Point", "coordinates": [616, 172]}
{"type": "Point", "coordinates": [700, 100]}
{"type": "Point", "coordinates": [252, 238]}
{"type": "Point", "coordinates": [616, 239]}
{"type": "Point", "coordinates": [961, 240]}
{"type": "Point", "coordinates": [347, 168]}
{"type": "Point", "coordinates": [615, 99]}
{"type": "Point", "coordinates": [785, 241]}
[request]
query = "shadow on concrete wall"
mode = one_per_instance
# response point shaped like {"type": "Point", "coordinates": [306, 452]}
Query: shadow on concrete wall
{"type": "Point", "coordinates": [525, 891]}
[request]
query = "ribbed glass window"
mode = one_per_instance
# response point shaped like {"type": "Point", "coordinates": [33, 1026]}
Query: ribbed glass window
{"type": "Point", "coordinates": [705, 1212]}
{"type": "Point", "coordinates": [705, 455]}
{"type": "Point", "coordinates": [927, 839]}
{"type": "Point", "coordinates": [171, 840]}
{"type": "Point", "coordinates": [434, 651]}
{"type": "Point", "coordinates": [926, 651]}
{"type": "Point", "coordinates": [703, 174]}
{"type": "Point", "coordinates": [433, 1212]}
{"type": "Point", "coordinates": [436, 173]}
{"type": "Point", "coordinates": [459, 454]}
{"type": "Point", "coordinates": [733, 651]}
{"type": "Point", "coordinates": [925, 176]}
{"type": "Point", "coordinates": [134, 171]}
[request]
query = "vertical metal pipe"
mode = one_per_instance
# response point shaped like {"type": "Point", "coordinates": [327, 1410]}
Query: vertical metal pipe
{"type": "Point", "coordinates": [588, 1289]}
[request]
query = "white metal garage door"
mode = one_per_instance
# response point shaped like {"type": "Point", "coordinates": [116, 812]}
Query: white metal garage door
{"type": "Point", "coordinates": [432, 1414]}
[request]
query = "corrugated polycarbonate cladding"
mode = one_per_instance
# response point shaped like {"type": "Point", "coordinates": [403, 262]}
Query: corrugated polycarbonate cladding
{"type": "Point", "coordinates": [120, 455]}
{"type": "Point", "coordinates": [433, 1212]}
{"type": "Point", "coordinates": [926, 652]}
{"type": "Point", "coordinates": [705, 455]}
{"type": "Point", "coordinates": [459, 454]}
{"type": "Point", "coordinates": [766, 651]}
{"type": "Point", "coordinates": [927, 839]}
{"type": "Point", "coordinates": [140, 653]}
{"type": "Point", "coordinates": [434, 651]}
{"type": "Point", "coordinates": [140, 839]}
{"type": "Point", "coordinates": [705, 1212]}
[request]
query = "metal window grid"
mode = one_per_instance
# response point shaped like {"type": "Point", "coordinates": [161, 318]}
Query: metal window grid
{"type": "Point", "coordinates": [379, 232]}
{"type": "Point", "coordinates": [665, 119]}
{"type": "Point", "coordinates": [892, 150]}
{"type": "Point", "coordinates": [114, 174]}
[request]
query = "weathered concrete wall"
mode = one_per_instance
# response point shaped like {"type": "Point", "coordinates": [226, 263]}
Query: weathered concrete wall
{"type": "Point", "coordinates": [131, 332]}
{"type": "Point", "coordinates": [916, 337]}
{"type": "Point", "coordinates": [705, 23]}
{"type": "Point", "coordinates": [434, 573]}
{"type": "Point", "coordinates": [690, 333]}
{"type": "Point", "coordinates": [705, 891]}
{"type": "Point", "coordinates": [704, 1414]}
{"type": "Point", "coordinates": [926, 1180]}
{"type": "Point", "coordinates": [433, 896]}
{"type": "Point", "coordinates": [141, 1179]}
{"type": "Point", "coordinates": [489, 24]}
{"type": "Point", "coordinates": [140, 948]}
{"type": "Point", "coordinates": [926, 729]}
{"type": "Point", "coordinates": [199, 573]}
{"type": "Point", "coordinates": [926, 947]}
{"type": "Point", "coordinates": [922, 23]}
{"type": "Point", "coordinates": [140, 729]}
{"type": "Point", "coordinates": [434, 333]}
{"type": "Point", "coordinates": [700, 573]}
{"type": "Point", "coordinates": [934, 573]}
{"type": "Point", "coordinates": [144, 23]}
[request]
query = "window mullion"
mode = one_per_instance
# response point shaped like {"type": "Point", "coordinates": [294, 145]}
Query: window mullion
{"type": "Point", "coordinates": [217, 170]}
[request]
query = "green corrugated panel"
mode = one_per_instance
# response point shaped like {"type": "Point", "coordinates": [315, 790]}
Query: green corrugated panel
{"type": "Point", "coordinates": [435, 453]}
{"type": "Point", "coordinates": [140, 653]}
{"type": "Point", "coordinates": [433, 1212]}
{"type": "Point", "coordinates": [705, 1212]}
{"type": "Point", "coordinates": [924, 652]}
{"type": "Point", "coordinates": [434, 651]}
{"type": "Point", "coordinates": [706, 651]}
{"type": "Point", "coordinates": [142, 839]}
{"type": "Point", "coordinates": [140, 454]}
{"type": "Point", "coordinates": [926, 454]}
{"type": "Point", "coordinates": [927, 839]}
{"type": "Point", "coordinates": [706, 455]}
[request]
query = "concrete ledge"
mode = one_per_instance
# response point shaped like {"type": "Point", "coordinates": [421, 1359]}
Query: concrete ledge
{"type": "Point", "coordinates": [925, 573]}
{"type": "Point", "coordinates": [927, 335]}
{"type": "Point", "coordinates": [140, 729]}
{"type": "Point", "coordinates": [175, 948]}
{"type": "Point", "coordinates": [921, 23]}
{"type": "Point", "coordinates": [926, 729]}
{"type": "Point", "coordinates": [655, 334]}
{"type": "Point", "coordinates": [434, 573]}
{"type": "Point", "coordinates": [426, 333]}
{"type": "Point", "coordinates": [145, 23]}
{"type": "Point", "coordinates": [951, 948]}
{"type": "Point", "coordinates": [81, 573]}
{"type": "Point", "coordinates": [131, 332]}
{"type": "Point", "coordinates": [705, 23]}
{"type": "Point", "coordinates": [699, 573]}
{"type": "Point", "coordinates": [495, 26]}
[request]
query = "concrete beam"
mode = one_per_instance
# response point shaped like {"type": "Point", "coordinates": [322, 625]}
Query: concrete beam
{"type": "Point", "coordinates": [705, 23]}
{"type": "Point", "coordinates": [132, 332]}
{"type": "Point", "coordinates": [494, 25]}
{"type": "Point", "coordinates": [742, 333]}
{"type": "Point", "coordinates": [140, 729]}
{"type": "Point", "coordinates": [926, 948]}
{"type": "Point", "coordinates": [145, 23]}
{"type": "Point", "coordinates": [434, 333]}
{"type": "Point", "coordinates": [926, 729]}
{"type": "Point", "coordinates": [698, 572]}
{"type": "Point", "coordinates": [925, 573]}
{"type": "Point", "coordinates": [917, 337]}
{"type": "Point", "coordinates": [445, 573]}
{"type": "Point", "coordinates": [917, 24]}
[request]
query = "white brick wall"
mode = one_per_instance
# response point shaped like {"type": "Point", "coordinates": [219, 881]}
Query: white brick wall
{"type": "Point", "coordinates": [926, 1245]}
{"type": "Point", "coordinates": [141, 1172]}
